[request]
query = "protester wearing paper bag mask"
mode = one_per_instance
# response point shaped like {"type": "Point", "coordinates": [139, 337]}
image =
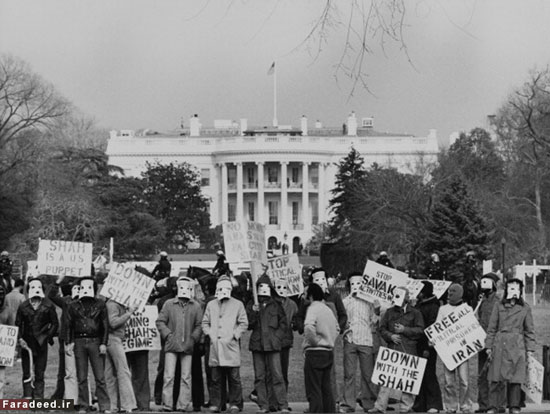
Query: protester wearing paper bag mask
{"type": "Point", "coordinates": [319, 277]}
{"type": "Point", "coordinates": [185, 288]}
{"type": "Point", "coordinates": [223, 288]}
{"type": "Point", "coordinates": [36, 290]}
{"type": "Point", "coordinates": [510, 341]}
{"type": "Point", "coordinates": [87, 288]}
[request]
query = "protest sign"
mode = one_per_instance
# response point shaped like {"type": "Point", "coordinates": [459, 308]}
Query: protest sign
{"type": "Point", "coordinates": [535, 378]}
{"type": "Point", "coordinates": [140, 332]}
{"type": "Point", "coordinates": [256, 270]}
{"type": "Point", "coordinates": [127, 286]}
{"type": "Point", "coordinates": [288, 269]}
{"type": "Point", "coordinates": [399, 370]}
{"type": "Point", "coordinates": [244, 241]}
{"type": "Point", "coordinates": [457, 337]}
{"type": "Point", "coordinates": [379, 282]}
{"type": "Point", "coordinates": [8, 342]}
{"type": "Point", "coordinates": [416, 285]}
{"type": "Point", "coordinates": [64, 258]}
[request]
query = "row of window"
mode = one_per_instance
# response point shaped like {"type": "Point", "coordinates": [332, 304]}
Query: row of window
{"type": "Point", "coordinates": [251, 180]}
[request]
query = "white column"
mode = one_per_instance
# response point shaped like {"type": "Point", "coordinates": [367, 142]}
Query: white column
{"type": "Point", "coordinates": [224, 198]}
{"type": "Point", "coordinates": [261, 195]}
{"type": "Point", "coordinates": [240, 203]}
{"type": "Point", "coordinates": [306, 219]}
{"type": "Point", "coordinates": [322, 203]}
{"type": "Point", "coordinates": [284, 195]}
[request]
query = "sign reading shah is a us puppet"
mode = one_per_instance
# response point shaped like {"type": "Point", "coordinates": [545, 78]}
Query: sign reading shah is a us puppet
{"type": "Point", "coordinates": [379, 283]}
{"type": "Point", "coordinates": [140, 332]}
{"type": "Point", "coordinates": [64, 258]}
{"type": "Point", "coordinates": [399, 370]}
{"type": "Point", "coordinates": [127, 286]}
{"type": "Point", "coordinates": [244, 241]}
{"type": "Point", "coordinates": [457, 337]}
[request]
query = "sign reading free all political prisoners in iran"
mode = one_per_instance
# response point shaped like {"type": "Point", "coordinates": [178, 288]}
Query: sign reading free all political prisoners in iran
{"type": "Point", "coordinates": [244, 242]}
{"type": "Point", "coordinates": [64, 258]}
{"type": "Point", "coordinates": [8, 342]}
{"type": "Point", "coordinates": [127, 286]}
{"type": "Point", "coordinates": [399, 370]}
{"type": "Point", "coordinates": [379, 283]}
{"type": "Point", "coordinates": [140, 332]}
{"type": "Point", "coordinates": [457, 337]}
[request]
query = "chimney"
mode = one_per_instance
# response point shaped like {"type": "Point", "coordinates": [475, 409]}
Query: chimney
{"type": "Point", "coordinates": [318, 124]}
{"type": "Point", "coordinates": [304, 125]}
{"type": "Point", "coordinates": [194, 126]}
{"type": "Point", "coordinates": [244, 125]}
{"type": "Point", "coordinates": [352, 125]}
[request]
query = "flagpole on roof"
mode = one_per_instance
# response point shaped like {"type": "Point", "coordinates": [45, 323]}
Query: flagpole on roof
{"type": "Point", "coordinates": [273, 70]}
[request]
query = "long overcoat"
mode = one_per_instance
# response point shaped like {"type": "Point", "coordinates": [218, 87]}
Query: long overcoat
{"type": "Point", "coordinates": [510, 335]}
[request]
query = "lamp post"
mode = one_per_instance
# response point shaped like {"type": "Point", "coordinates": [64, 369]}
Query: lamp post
{"type": "Point", "coordinates": [503, 245]}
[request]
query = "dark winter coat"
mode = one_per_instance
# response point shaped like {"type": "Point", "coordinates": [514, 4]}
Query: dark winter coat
{"type": "Point", "coordinates": [37, 326]}
{"type": "Point", "coordinates": [486, 309]}
{"type": "Point", "coordinates": [511, 334]}
{"type": "Point", "coordinates": [291, 309]}
{"type": "Point", "coordinates": [428, 308]}
{"type": "Point", "coordinates": [179, 324]}
{"type": "Point", "coordinates": [413, 322]}
{"type": "Point", "coordinates": [268, 326]}
{"type": "Point", "coordinates": [162, 269]}
{"type": "Point", "coordinates": [87, 318]}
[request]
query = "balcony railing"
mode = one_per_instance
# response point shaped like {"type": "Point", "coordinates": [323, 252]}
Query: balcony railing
{"type": "Point", "coordinates": [249, 186]}
{"type": "Point", "coordinates": [268, 184]}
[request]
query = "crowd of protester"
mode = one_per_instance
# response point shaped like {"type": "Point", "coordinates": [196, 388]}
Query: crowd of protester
{"type": "Point", "coordinates": [205, 323]}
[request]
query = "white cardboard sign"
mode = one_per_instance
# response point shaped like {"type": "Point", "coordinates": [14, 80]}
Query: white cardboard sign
{"type": "Point", "coordinates": [457, 337]}
{"type": "Point", "coordinates": [288, 269]}
{"type": "Point", "coordinates": [127, 286]}
{"type": "Point", "coordinates": [64, 258]}
{"type": "Point", "coordinates": [379, 283]}
{"type": "Point", "coordinates": [244, 241]}
{"type": "Point", "coordinates": [399, 370]}
{"type": "Point", "coordinates": [8, 343]}
{"type": "Point", "coordinates": [140, 332]}
{"type": "Point", "coordinates": [535, 380]}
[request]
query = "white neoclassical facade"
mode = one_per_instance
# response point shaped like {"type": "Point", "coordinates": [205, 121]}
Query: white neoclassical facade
{"type": "Point", "coordinates": [280, 176]}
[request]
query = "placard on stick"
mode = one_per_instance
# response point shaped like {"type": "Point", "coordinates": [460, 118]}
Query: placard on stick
{"type": "Point", "coordinates": [140, 332]}
{"type": "Point", "coordinates": [399, 370]}
{"type": "Point", "coordinates": [64, 258]}
{"type": "Point", "coordinates": [244, 241]}
{"type": "Point", "coordinates": [457, 337]}
{"type": "Point", "coordinates": [127, 286]}
{"type": "Point", "coordinates": [8, 343]}
{"type": "Point", "coordinates": [286, 268]}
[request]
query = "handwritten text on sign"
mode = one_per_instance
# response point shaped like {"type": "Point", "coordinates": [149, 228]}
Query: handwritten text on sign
{"type": "Point", "coordinates": [398, 370]}
{"type": "Point", "coordinates": [286, 269]}
{"type": "Point", "coordinates": [127, 286]}
{"type": "Point", "coordinates": [140, 332]}
{"type": "Point", "coordinates": [457, 337]}
{"type": "Point", "coordinates": [379, 283]}
{"type": "Point", "coordinates": [244, 242]}
{"type": "Point", "coordinates": [64, 258]}
{"type": "Point", "coordinates": [8, 342]}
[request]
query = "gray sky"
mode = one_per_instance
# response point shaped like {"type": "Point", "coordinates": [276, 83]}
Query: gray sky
{"type": "Point", "coordinates": [145, 64]}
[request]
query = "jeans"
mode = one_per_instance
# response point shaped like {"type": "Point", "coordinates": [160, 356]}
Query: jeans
{"type": "Point", "coordinates": [317, 374]}
{"type": "Point", "coordinates": [271, 361]}
{"type": "Point", "coordinates": [406, 403]}
{"type": "Point", "coordinates": [369, 391]}
{"type": "Point", "coordinates": [60, 385]}
{"type": "Point", "coordinates": [184, 399]}
{"type": "Point", "coordinates": [117, 376]}
{"type": "Point", "coordinates": [234, 395]}
{"type": "Point", "coordinates": [482, 381]}
{"type": "Point", "coordinates": [456, 393]}
{"type": "Point", "coordinates": [285, 360]}
{"type": "Point", "coordinates": [87, 349]}
{"type": "Point", "coordinates": [197, 383]}
{"type": "Point", "coordinates": [40, 359]}
{"type": "Point", "coordinates": [70, 381]}
{"type": "Point", "coordinates": [138, 362]}
{"type": "Point", "coordinates": [429, 395]}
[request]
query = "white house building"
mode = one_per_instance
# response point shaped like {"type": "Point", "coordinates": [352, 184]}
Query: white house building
{"type": "Point", "coordinates": [280, 176]}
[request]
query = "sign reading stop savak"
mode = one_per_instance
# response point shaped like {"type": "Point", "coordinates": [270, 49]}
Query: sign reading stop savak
{"type": "Point", "coordinates": [379, 283]}
{"type": "Point", "coordinates": [64, 258]}
{"type": "Point", "coordinates": [244, 242]}
{"type": "Point", "coordinates": [127, 286]}
{"type": "Point", "coordinates": [287, 269]}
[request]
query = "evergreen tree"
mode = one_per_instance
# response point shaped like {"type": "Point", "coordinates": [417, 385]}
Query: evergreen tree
{"type": "Point", "coordinates": [350, 171]}
{"type": "Point", "coordinates": [457, 226]}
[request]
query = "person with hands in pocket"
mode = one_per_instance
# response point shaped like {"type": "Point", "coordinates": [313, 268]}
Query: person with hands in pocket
{"type": "Point", "coordinates": [401, 327]}
{"type": "Point", "coordinates": [87, 337]}
{"type": "Point", "coordinates": [179, 324]}
{"type": "Point", "coordinates": [510, 341]}
{"type": "Point", "coordinates": [224, 322]}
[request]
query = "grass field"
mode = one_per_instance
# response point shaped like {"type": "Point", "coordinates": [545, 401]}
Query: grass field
{"type": "Point", "coordinates": [13, 386]}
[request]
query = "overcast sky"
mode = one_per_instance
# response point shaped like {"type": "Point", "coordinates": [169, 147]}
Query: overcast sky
{"type": "Point", "coordinates": [146, 64]}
